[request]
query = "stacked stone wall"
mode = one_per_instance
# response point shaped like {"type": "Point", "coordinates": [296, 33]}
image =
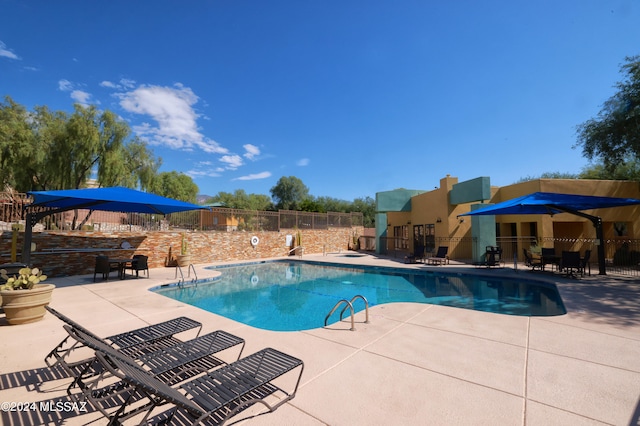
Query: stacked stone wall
{"type": "Point", "coordinates": [62, 253]}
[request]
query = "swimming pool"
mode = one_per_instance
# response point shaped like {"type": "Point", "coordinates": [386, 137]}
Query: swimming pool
{"type": "Point", "coordinates": [293, 296]}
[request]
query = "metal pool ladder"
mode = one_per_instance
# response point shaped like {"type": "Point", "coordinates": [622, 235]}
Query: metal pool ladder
{"type": "Point", "coordinates": [349, 304]}
{"type": "Point", "coordinates": [194, 281]}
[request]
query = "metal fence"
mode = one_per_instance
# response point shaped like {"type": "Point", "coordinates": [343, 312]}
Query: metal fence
{"type": "Point", "coordinates": [622, 255]}
{"type": "Point", "coordinates": [215, 219]}
{"type": "Point", "coordinates": [459, 248]}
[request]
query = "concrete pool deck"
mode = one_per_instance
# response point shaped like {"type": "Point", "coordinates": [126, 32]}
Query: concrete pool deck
{"type": "Point", "coordinates": [412, 364]}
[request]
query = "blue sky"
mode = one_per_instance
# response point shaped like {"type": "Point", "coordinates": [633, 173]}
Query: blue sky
{"type": "Point", "coordinates": [352, 97]}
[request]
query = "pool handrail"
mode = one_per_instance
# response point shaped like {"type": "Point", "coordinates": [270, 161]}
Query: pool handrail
{"type": "Point", "coordinates": [349, 305]}
{"type": "Point", "coordinates": [366, 307]}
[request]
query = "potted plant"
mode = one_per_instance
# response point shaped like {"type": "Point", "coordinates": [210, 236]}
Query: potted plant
{"type": "Point", "coordinates": [184, 258]}
{"type": "Point", "coordinates": [23, 297]}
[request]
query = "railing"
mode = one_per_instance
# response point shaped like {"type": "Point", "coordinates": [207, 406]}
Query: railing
{"type": "Point", "coordinates": [349, 305]}
{"type": "Point", "coordinates": [216, 219]}
{"type": "Point", "coordinates": [460, 248]}
{"type": "Point", "coordinates": [181, 282]}
{"type": "Point", "coordinates": [300, 252]}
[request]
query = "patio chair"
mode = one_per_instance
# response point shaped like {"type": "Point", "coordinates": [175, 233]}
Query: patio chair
{"type": "Point", "coordinates": [139, 263]}
{"type": "Point", "coordinates": [417, 255]}
{"type": "Point", "coordinates": [170, 365]}
{"type": "Point", "coordinates": [570, 263]}
{"type": "Point", "coordinates": [531, 262]}
{"type": "Point", "coordinates": [549, 257]}
{"type": "Point", "coordinates": [493, 256]}
{"type": "Point", "coordinates": [133, 343]}
{"type": "Point", "coordinates": [103, 267]}
{"type": "Point", "coordinates": [440, 258]}
{"type": "Point", "coordinates": [217, 396]}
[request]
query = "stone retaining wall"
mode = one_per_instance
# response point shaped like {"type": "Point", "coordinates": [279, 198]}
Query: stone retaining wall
{"type": "Point", "coordinates": [61, 253]}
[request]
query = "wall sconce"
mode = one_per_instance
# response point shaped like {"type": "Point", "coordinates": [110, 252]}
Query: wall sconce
{"type": "Point", "coordinates": [409, 222]}
{"type": "Point", "coordinates": [438, 220]}
{"type": "Point", "coordinates": [388, 225]}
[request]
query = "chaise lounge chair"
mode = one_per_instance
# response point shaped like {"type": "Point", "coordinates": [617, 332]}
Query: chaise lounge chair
{"type": "Point", "coordinates": [132, 343]}
{"type": "Point", "coordinates": [170, 365]}
{"type": "Point", "coordinates": [216, 396]}
{"type": "Point", "coordinates": [440, 258]}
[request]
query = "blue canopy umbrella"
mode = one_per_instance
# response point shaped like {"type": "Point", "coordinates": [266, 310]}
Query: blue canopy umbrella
{"type": "Point", "coordinates": [115, 199]}
{"type": "Point", "coordinates": [553, 203]}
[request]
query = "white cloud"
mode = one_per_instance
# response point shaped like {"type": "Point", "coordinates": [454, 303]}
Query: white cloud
{"type": "Point", "coordinates": [252, 151]}
{"type": "Point", "coordinates": [255, 176]}
{"type": "Point", "coordinates": [108, 85]}
{"type": "Point", "coordinates": [6, 53]}
{"type": "Point", "coordinates": [233, 161]}
{"type": "Point", "coordinates": [203, 173]}
{"type": "Point", "coordinates": [172, 110]}
{"type": "Point", "coordinates": [123, 84]}
{"type": "Point", "coordinates": [65, 85]}
{"type": "Point", "coordinates": [302, 162]}
{"type": "Point", "coordinates": [81, 97]}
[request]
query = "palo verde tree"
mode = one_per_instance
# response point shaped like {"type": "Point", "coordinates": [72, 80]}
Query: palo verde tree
{"type": "Point", "coordinates": [614, 136]}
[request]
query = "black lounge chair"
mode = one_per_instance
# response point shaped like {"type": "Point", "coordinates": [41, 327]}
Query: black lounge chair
{"type": "Point", "coordinates": [170, 365]}
{"type": "Point", "coordinates": [133, 343]}
{"type": "Point", "coordinates": [217, 396]}
{"type": "Point", "coordinates": [531, 262]}
{"type": "Point", "coordinates": [440, 258]}
{"type": "Point", "coordinates": [571, 263]}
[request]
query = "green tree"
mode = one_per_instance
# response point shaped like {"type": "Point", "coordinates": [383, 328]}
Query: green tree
{"type": "Point", "coordinates": [614, 135]}
{"type": "Point", "coordinates": [550, 175]}
{"type": "Point", "coordinates": [175, 185]}
{"type": "Point", "coordinates": [627, 170]}
{"type": "Point", "coordinates": [289, 192]}
{"type": "Point", "coordinates": [366, 206]}
{"type": "Point", "coordinates": [311, 205]}
{"type": "Point", "coordinates": [241, 200]}
{"type": "Point", "coordinates": [45, 150]}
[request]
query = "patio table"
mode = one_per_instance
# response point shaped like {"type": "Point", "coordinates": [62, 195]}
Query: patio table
{"type": "Point", "coordinates": [121, 264]}
{"type": "Point", "coordinates": [551, 259]}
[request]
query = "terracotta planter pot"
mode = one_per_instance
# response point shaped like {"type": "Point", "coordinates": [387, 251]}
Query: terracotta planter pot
{"type": "Point", "coordinates": [183, 260]}
{"type": "Point", "coordinates": [26, 306]}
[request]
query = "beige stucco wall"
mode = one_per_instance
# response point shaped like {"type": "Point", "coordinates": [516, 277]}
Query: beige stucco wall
{"type": "Point", "coordinates": [433, 207]}
{"type": "Point", "coordinates": [564, 225]}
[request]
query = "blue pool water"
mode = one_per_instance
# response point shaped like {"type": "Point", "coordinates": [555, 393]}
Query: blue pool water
{"type": "Point", "coordinates": [290, 296]}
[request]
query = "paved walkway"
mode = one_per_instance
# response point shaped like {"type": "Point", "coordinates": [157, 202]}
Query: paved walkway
{"type": "Point", "coordinates": [412, 364]}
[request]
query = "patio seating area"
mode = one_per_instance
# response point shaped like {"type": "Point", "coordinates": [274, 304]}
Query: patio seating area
{"type": "Point", "coordinates": [411, 364]}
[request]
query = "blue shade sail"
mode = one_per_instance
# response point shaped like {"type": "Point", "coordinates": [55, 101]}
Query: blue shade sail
{"type": "Point", "coordinates": [115, 199]}
{"type": "Point", "coordinates": [552, 203]}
